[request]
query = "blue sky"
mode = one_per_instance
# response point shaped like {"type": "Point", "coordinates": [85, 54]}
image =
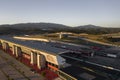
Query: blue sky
{"type": "Point", "coordinates": [69, 12]}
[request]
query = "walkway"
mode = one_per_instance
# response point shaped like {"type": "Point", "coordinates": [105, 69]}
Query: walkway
{"type": "Point", "coordinates": [13, 69]}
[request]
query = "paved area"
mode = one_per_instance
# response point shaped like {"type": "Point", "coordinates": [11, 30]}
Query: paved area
{"type": "Point", "coordinates": [2, 76]}
{"type": "Point", "coordinates": [78, 67]}
{"type": "Point", "coordinates": [111, 62]}
{"type": "Point", "coordinates": [10, 71]}
{"type": "Point", "coordinates": [13, 69]}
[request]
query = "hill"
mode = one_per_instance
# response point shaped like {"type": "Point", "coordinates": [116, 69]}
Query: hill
{"type": "Point", "coordinates": [88, 27]}
{"type": "Point", "coordinates": [35, 28]}
{"type": "Point", "coordinates": [44, 26]}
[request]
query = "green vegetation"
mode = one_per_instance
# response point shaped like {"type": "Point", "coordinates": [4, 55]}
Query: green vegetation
{"type": "Point", "coordinates": [100, 38]}
{"type": "Point", "coordinates": [42, 28]}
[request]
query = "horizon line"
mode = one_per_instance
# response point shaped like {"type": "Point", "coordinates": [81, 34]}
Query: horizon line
{"type": "Point", "coordinates": [57, 23]}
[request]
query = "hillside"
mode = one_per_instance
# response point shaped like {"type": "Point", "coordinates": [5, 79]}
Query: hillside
{"type": "Point", "coordinates": [44, 26]}
{"type": "Point", "coordinates": [88, 27]}
{"type": "Point", "coordinates": [38, 28]}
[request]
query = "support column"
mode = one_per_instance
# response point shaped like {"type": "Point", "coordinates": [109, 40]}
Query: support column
{"type": "Point", "coordinates": [0, 45]}
{"type": "Point", "coordinates": [43, 61]}
{"type": "Point", "coordinates": [5, 46]}
{"type": "Point", "coordinates": [39, 61]}
{"type": "Point", "coordinates": [18, 51]}
{"type": "Point", "coordinates": [14, 51]}
{"type": "Point", "coordinates": [33, 58]}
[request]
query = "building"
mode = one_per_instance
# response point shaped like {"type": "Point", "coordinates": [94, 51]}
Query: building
{"type": "Point", "coordinates": [67, 60]}
{"type": "Point", "coordinates": [37, 55]}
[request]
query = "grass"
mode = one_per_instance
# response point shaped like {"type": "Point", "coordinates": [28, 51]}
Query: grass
{"type": "Point", "coordinates": [54, 36]}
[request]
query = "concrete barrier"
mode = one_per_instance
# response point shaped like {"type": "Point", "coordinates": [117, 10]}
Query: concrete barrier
{"type": "Point", "coordinates": [35, 39]}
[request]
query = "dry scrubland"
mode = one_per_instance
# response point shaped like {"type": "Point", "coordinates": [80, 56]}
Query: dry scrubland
{"type": "Point", "coordinates": [101, 38]}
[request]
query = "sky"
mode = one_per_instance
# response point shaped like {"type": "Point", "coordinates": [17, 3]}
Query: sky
{"type": "Point", "coordinates": [104, 13]}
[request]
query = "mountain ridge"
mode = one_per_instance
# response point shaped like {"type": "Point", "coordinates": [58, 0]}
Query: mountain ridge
{"type": "Point", "coordinates": [47, 26]}
{"type": "Point", "coordinates": [88, 26]}
{"type": "Point", "coordinates": [34, 28]}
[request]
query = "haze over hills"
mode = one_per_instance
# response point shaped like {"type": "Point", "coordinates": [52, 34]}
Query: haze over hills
{"type": "Point", "coordinates": [31, 28]}
{"type": "Point", "coordinates": [88, 27]}
{"type": "Point", "coordinates": [27, 26]}
{"type": "Point", "coordinates": [47, 26]}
